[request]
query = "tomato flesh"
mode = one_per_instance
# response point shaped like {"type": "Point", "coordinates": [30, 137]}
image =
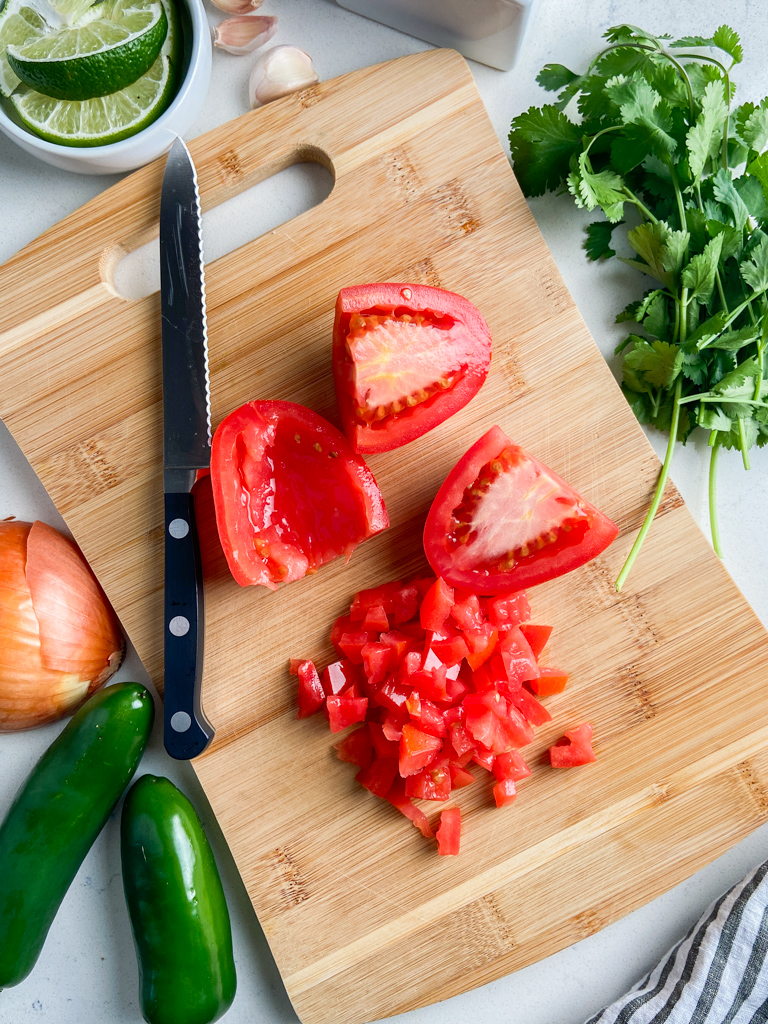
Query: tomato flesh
{"type": "Point", "coordinates": [449, 832]}
{"type": "Point", "coordinates": [405, 357]}
{"type": "Point", "coordinates": [289, 493]}
{"type": "Point", "coordinates": [503, 521]}
{"type": "Point", "coordinates": [575, 748]}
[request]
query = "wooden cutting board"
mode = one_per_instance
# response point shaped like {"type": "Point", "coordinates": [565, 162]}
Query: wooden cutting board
{"type": "Point", "coordinates": [363, 918]}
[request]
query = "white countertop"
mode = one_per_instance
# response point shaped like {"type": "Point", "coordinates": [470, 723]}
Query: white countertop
{"type": "Point", "coordinates": [87, 971]}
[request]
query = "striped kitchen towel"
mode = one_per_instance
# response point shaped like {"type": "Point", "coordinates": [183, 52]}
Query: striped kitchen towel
{"type": "Point", "coordinates": [717, 974]}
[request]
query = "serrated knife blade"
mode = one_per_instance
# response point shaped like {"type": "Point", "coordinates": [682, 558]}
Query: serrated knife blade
{"type": "Point", "coordinates": [186, 448]}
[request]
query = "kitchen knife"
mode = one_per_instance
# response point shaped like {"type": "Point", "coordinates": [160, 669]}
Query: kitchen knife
{"type": "Point", "coordinates": [186, 448]}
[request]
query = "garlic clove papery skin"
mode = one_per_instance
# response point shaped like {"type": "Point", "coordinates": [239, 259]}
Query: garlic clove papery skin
{"type": "Point", "coordinates": [244, 34]}
{"type": "Point", "coordinates": [237, 6]}
{"type": "Point", "coordinates": [278, 72]}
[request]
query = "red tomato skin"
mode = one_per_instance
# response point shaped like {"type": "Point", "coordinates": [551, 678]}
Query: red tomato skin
{"type": "Point", "coordinates": [460, 777]}
{"type": "Point", "coordinates": [345, 711]}
{"type": "Point", "coordinates": [542, 566]}
{"type": "Point", "coordinates": [508, 610]}
{"type": "Point", "coordinates": [411, 423]}
{"type": "Point", "coordinates": [537, 636]}
{"type": "Point", "coordinates": [449, 832]}
{"type": "Point", "coordinates": [260, 423]}
{"type": "Point", "coordinates": [384, 747]}
{"type": "Point", "coordinates": [311, 693]}
{"type": "Point", "coordinates": [417, 750]}
{"type": "Point", "coordinates": [504, 792]}
{"type": "Point", "coordinates": [382, 596]}
{"type": "Point", "coordinates": [397, 797]}
{"type": "Point", "coordinates": [378, 777]}
{"type": "Point", "coordinates": [338, 676]}
{"type": "Point", "coordinates": [356, 747]}
{"type": "Point", "coordinates": [510, 765]}
{"type": "Point", "coordinates": [436, 606]}
{"type": "Point", "coordinates": [575, 748]}
{"type": "Point", "coordinates": [528, 706]}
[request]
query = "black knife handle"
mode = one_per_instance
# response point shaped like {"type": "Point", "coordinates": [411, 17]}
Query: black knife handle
{"type": "Point", "coordinates": [187, 732]}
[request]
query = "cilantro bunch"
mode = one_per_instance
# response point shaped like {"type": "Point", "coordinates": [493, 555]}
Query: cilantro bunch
{"type": "Point", "coordinates": [657, 136]}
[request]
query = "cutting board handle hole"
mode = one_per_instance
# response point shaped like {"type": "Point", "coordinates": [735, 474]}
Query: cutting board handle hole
{"type": "Point", "coordinates": [232, 224]}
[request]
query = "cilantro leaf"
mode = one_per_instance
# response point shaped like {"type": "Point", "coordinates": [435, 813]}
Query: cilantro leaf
{"type": "Point", "coordinates": [751, 191]}
{"type": "Point", "coordinates": [725, 192]}
{"type": "Point", "coordinates": [554, 77]}
{"type": "Point", "coordinates": [753, 129]}
{"type": "Point", "coordinates": [542, 142]}
{"type": "Point", "coordinates": [648, 241]}
{"type": "Point", "coordinates": [598, 240]}
{"type": "Point", "coordinates": [641, 105]}
{"type": "Point", "coordinates": [755, 269]}
{"type": "Point", "coordinates": [758, 169]}
{"type": "Point", "coordinates": [628, 313]}
{"type": "Point", "coordinates": [656, 319]}
{"type": "Point", "coordinates": [727, 39]}
{"type": "Point", "coordinates": [732, 238]}
{"type": "Point", "coordinates": [712, 417]}
{"type": "Point", "coordinates": [591, 189]}
{"type": "Point", "coordinates": [653, 363]}
{"type": "Point", "coordinates": [675, 250]}
{"type": "Point", "coordinates": [698, 276]}
{"type": "Point", "coordinates": [706, 135]}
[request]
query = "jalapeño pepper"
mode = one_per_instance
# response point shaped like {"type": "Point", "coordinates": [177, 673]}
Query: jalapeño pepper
{"type": "Point", "coordinates": [177, 906]}
{"type": "Point", "coordinates": [58, 813]}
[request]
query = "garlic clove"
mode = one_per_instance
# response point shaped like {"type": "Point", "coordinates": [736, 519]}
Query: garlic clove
{"type": "Point", "coordinates": [238, 6]}
{"type": "Point", "coordinates": [244, 34]}
{"type": "Point", "coordinates": [278, 72]}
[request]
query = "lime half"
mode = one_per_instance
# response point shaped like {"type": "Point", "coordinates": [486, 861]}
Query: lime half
{"type": "Point", "coordinates": [19, 24]}
{"type": "Point", "coordinates": [111, 45]}
{"type": "Point", "coordinates": [105, 119]}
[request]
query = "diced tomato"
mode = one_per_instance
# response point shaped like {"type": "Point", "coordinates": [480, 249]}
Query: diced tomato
{"type": "Point", "coordinates": [525, 702]}
{"type": "Point", "coordinates": [519, 661]}
{"type": "Point", "coordinates": [376, 620]}
{"type": "Point", "coordinates": [352, 644]}
{"type": "Point", "coordinates": [383, 746]}
{"type": "Point", "coordinates": [392, 726]}
{"type": "Point", "coordinates": [466, 610]}
{"type": "Point", "coordinates": [406, 603]}
{"type": "Point", "coordinates": [574, 748]}
{"type": "Point", "coordinates": [503, 521]}
{"type": "Point", "coordinates": [433, 783]}
{"type": "Point", "coordinates": [417, 750]}
{"type": "Point", "coordinates": [376, 661]}
{"type": "Point", "coordinates": [294, 665]}
{"type": "Point", "coordinates": [483, 757]}
{"type": "Point", "coordinates": [405, 357]}
{"type": "Point", "coordinates": [345, 711]}
{"type": "Point", "coordinates": [482, 643]}
{"type": "Point", "coordinates": [432, 684]}
{"type": "Point", "coordinates": [338, 676]}
{"type": "Point", "coordinates": [461, 741]}
{"type": "Point", "coordinates": [508, 610]}
{"type": "Point", "coordinates": [378, 777]}
{"type": "Point", "coordinates": [449, 832]}
{"type": "Point", "coordinates": [450, 651]}
{"type": "Point", "coordinates": [409, 665]}
{"type": "Point", "coordinates": [399, 643]}
{"type": "Point", "coordinates": [311, 692]}
{"type": "Point", "coordinates": [510, 765]}
{"type": "Point", "coordinates": [518, 730]}
{"type": "Point", "coordinates": [453, 714]}
{"type": "Point", "coordinates": [382, 596]}
{"type": "Point", "coordinates": [436, 605]}
{"type": "Point", "coordinates": [341, 626]}
{"type": "Point", "coordinates": [403, 803]}
{"type": "Point", "coordinates": [392, 696]}
{"type": "Point", "coordinates": [486, 728]}
{"type": "Point", "coordinates": [455, 689]}
{"type": "Point", "coordinates": [551, 680]}
{"type": "Point", "coordinates": [425, 715]}
{"type": "Point", "coordinates": [460, 777]}
{"type": "Point", "coordinates": [537, 637]}
{"type": "Point", "coordinates": [290, 494]}
{"type": "Point", "coordinates": [356, 747]}
{"type": "Point", "coordinates": [504, 792]}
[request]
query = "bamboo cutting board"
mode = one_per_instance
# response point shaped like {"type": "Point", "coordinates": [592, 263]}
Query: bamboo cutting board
{"type": "Point", "coordinates": [363, 918]}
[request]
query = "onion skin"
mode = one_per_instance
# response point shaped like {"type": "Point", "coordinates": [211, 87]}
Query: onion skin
{"type": "Point", "coordinates": [59, 638]}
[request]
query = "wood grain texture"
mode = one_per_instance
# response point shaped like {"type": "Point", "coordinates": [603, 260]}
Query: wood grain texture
{"type": "Point", "coordinates": [363, 918]}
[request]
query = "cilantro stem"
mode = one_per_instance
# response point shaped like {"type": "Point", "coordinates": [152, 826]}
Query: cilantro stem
{"type": "Point", "coordinates": [743, 443]}
{"type": "Point", "coordinates": [658, 495]}
{"type": "Point", "coordinates": [641, 206]}
{"type": "Point", "coordinates": [714, 526]}
{"type": "Point", "coordinates": [678, 196]}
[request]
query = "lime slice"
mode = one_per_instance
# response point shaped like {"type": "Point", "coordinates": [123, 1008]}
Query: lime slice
{"type": "Point", "coordinates": [19, 23]}
{"type": "Point", "coordinates": [105, 119]}
{"type": "Point", "coordinates": [112, 44]}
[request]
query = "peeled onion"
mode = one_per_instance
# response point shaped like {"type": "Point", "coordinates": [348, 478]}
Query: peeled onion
{"type": "Point", "coordinates": [59, 638]}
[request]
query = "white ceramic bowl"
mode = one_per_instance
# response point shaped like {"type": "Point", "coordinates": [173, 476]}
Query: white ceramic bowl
{"type": "Point", "coordinates": [157, 137]}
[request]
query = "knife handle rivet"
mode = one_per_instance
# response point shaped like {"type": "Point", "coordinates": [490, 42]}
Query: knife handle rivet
{"type": "Point", "coordinates": [181, 721]}
{"type": "Point", "coordinates": [178, 528]}
{"type": "Point", "coordinates": [178, 625]}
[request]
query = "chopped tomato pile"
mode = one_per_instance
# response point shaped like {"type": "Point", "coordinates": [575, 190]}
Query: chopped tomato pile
{"type": "Point", "coordinates": [435, 680]}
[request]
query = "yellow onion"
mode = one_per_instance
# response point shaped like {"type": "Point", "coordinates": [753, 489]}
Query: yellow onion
{"type": "Point", "coordinates": [59, 638]}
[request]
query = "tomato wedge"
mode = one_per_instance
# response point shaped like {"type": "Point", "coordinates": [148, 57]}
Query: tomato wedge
{"type": "Point", "coordinates": [405, 358]}
{"type": "Point", "coordinates": [502, 521]}
{"type": "Point", "coordinates": [289, 493]}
